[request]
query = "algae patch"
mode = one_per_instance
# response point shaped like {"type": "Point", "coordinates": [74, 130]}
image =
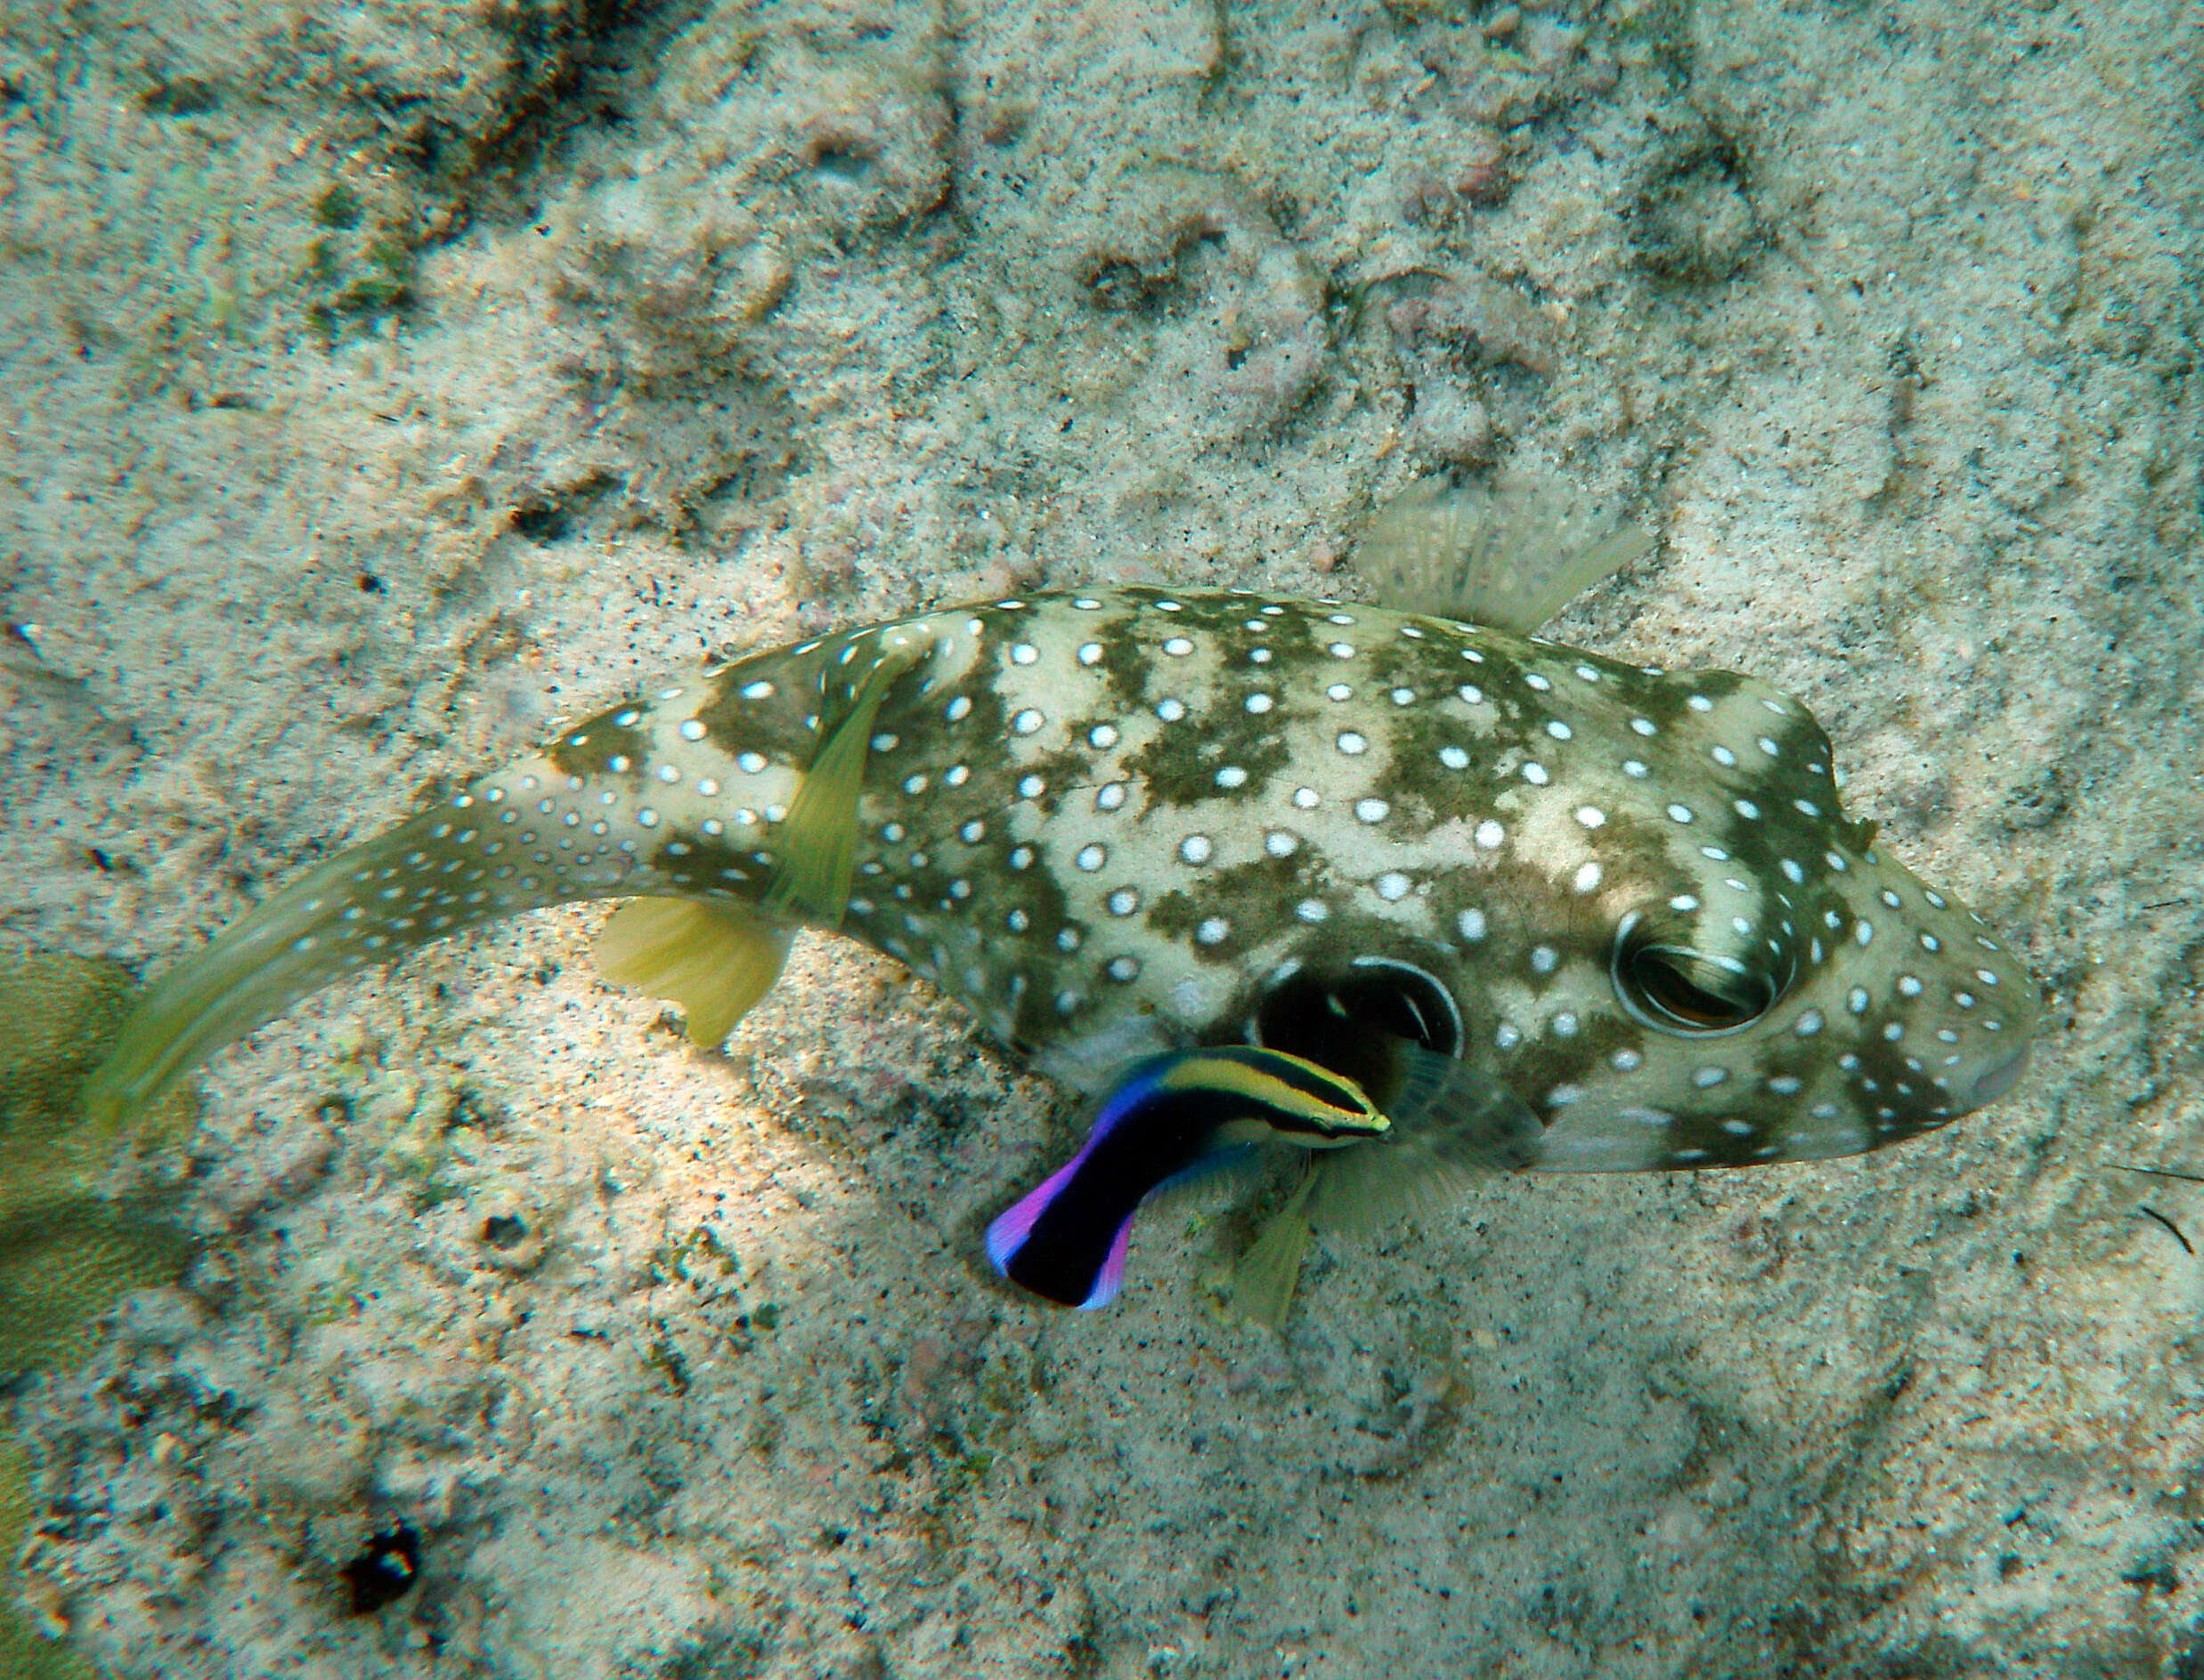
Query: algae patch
{"type": "Point", "coordinates": [66, 1252]}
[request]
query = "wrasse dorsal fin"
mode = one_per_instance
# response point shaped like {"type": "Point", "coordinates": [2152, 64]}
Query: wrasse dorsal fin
{"type": "Point", "coordinates": [819, 851]}
{"type": "Point", "coordinates": [714, 959]}
{"type": "Point", "coordinates": [1511, 553]}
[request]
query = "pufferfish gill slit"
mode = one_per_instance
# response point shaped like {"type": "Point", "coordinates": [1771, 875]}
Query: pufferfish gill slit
{"type": "Point", "coordinates": [1517, 905]}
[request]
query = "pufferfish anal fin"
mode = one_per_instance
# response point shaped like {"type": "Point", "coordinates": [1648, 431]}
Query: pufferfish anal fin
{"type": "Point", "coordinates": [714, 959]}
{"type": "Point", "coordinates": [1510, 554]}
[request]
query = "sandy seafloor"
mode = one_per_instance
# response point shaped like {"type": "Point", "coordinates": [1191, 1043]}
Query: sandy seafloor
{"type": "Point", "coordinates": [382, 384]}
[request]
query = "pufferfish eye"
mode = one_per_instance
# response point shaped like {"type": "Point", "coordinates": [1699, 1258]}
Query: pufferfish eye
{"type": "Point", "coordinates": [1677, 989]}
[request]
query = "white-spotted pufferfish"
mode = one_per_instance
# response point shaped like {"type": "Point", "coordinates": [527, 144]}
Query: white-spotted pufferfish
{"type": "Point", "coordinates": [1411, 896]}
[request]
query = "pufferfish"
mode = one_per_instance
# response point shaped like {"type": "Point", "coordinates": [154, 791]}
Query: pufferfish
{"type": "Point", "coordinates": [1400, 897]}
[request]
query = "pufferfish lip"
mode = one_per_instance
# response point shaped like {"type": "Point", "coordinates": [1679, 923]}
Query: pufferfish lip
{"type": "Point", "coordinates": [1995, 1082]}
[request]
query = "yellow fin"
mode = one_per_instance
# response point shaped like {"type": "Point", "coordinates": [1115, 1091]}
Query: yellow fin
{"type": "Point", "coordinates": [1265, 1278]}
{"type": "Point", "coordinates": [813, 880]}
{"type": "Point", "coordinates": [716, 961]}
{"type": "Point", "coordinates": [1510, 554]}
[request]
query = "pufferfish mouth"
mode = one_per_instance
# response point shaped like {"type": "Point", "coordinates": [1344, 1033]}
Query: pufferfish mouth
{"type": "Point", "coordinates": [1995, 1081]}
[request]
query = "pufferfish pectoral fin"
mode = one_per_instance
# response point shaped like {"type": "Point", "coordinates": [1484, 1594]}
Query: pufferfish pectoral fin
{"type": "Point", "coordinates": [714, 959]}
{"type": "Point", "coordinates": [1453, 1123]}
{"type": "Point", "coordinates": [1511, 553]}
{"type": "Point", "coordinates": [1168, 1119]}
{"type": "Point", "coordinates": [1261, 1285]}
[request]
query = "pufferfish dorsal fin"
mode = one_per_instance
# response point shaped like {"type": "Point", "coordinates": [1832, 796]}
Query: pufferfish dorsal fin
{"type": "Point", "coordinates": [1511, 553]}
{"type": "Point", "coordinates": [717, 959]}
{"type": "Point", "coordinates": [812, 881]}
{"type": "Point", "coordinates": [714, 959]}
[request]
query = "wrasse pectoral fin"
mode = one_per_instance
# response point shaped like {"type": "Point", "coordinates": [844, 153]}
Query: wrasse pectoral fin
{"type": "Point", "coordinates": [1262, 1282]}
{"type": "Point", "coordinates": [1512, 553]}
{"type": "Point", "coordinates": [714, 959]}
{"type": "Point", "coordinates": [1169, 1118]}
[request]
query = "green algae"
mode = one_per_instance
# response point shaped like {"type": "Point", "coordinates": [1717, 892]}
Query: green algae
{"type": "Point", "coordinates": [68, 1252]}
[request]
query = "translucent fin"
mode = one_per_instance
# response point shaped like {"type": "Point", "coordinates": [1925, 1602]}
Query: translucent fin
{"type": "Point", "coordinates": [1452, 1124]}
{"type": "Point", "coordinates": [1510, 554]}
{"type": "Point", "coordinates": [1266, 1277]}
{"type": "Point", "coordinates": [714, 959]}
{"type": "Point", "coordinates": [813, 881]}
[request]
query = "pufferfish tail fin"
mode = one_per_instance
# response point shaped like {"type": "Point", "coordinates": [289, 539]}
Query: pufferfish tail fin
{"type": "Point", "coordinates": [334, 921]}
{"type": "Point", "coordinates": [1510, 554]}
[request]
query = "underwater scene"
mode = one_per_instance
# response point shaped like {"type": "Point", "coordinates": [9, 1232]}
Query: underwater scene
{"type": "Point", "coordinates": [876, 840]}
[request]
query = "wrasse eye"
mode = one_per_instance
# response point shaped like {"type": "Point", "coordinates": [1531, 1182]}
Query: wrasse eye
{"type": "Point", "coordinates": [1678, 990]}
